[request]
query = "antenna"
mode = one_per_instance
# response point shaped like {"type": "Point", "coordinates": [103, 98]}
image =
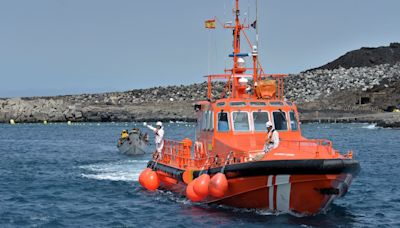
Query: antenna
{"type": "Point", "coordinates": [257, 23]}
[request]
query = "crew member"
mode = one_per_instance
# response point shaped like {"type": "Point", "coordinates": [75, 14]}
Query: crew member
{"type": "Point", "coordinates": [124, 134]}
{"type": "Point", "coordinates": [272, 140]}
{"type": "Point", "coordinates": [158, 136]}
{"type": "Point", "coordinates": [146, 137]}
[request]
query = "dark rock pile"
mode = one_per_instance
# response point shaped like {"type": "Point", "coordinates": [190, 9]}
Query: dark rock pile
{"type": "Point", "coordinates": [366, 57]}
{"type": "Point", "coordinates": [168, 103]}
{"type": "Point", "coordinates": [159, 94]}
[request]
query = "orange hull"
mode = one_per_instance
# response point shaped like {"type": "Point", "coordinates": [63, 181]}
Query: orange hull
{"type": "Point", "coordinates": [296, 193]}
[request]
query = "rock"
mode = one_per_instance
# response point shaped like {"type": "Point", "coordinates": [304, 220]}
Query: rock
{"type": "Point", "coordinates": [337, 89]}
{"type": "Point", "coordinates": [78, 115]}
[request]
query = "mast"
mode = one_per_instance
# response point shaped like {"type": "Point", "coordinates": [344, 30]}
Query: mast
{"type": "Point", "coordinates": [256, 23]}
{"type": "Point", "coordinates": [236, 49]}
{"type": "Point", "coordinates": [236, 35]}
{"type": "Point", "coordinates": [254, 54]}
{"type": "Point", "coordinates": [237, 84]}
{"type": "Point", "coordinates": [237, 29]}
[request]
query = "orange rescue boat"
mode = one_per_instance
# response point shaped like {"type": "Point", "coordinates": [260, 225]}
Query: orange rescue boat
{"type": "Point", "coordinates": [227, 163]}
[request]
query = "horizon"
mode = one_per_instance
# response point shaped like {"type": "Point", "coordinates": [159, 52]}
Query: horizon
{"type": "Point", "coordinates": [56, 48]}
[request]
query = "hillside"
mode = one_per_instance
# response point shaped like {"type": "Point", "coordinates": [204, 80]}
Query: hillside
{"type": "Point", "coordinates": [366, 57]}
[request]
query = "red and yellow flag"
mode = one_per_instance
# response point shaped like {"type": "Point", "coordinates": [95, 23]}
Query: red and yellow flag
{"type": "Point", "coordinates": [210, 24]}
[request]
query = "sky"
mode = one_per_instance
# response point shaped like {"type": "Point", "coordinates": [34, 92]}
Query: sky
{"type": "Point", "coordinates": [56, 47]}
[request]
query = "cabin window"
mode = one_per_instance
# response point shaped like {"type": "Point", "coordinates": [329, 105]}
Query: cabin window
{"type": "Point", "coordinates": [205, 121]}
{"type": "Point", "coordinates": [238, 104]}
{"type": "Point", "coordinates": [223, 122]}
{"type": "Point", "coordinates": [260, 118]}
{"type": "Point", "coordinates": [258, 104]}
{"type": "Point", "coordinates": [240, 121]}
{"type": "Point", "coordinates": [220, 104]}
{"type": "Point", "coordinates": [280, 121]}
{"type": "Point", "coordinates": [199, 121]}
{"type": "Point", "coordinates": [276, 103]}
{"type": "Point", "coordinates": [294, 124]}
{"type": "Point", "coordinates": [289, 103]}
{"type": "Point", "coordinates": [212, 121]}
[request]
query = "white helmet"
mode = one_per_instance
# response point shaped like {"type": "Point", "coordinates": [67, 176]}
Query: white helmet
{"type": "Point", "coordinates": [241, 62]}
{"type": "Point", "coordinates": [159, 124]}
{"type": "Point", "coordinates": [268, 124]}
{"type": "Point", "coordinates": [243, 80]}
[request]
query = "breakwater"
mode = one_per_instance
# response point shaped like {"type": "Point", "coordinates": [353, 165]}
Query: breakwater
{"type": "Point", "coordinates": [166, 103]}
{"type": "Point", "coordinates": [313, 85]}
{"type": "Point", "coordinates": [332, 93]}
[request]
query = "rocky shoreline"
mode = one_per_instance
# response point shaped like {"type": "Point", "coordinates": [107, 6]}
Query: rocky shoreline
{"type": "Point", "coordinates": [337, 95]}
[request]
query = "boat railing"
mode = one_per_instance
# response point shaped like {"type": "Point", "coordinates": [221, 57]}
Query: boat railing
{"type": "Point", "coordinates": [316, 146]}
{"type": "Point", "coordinates": [310, 146]}
{"type": "Point", "coordinates": [181, 154]}
{"type": "Point", "coordinates": [279, 78]}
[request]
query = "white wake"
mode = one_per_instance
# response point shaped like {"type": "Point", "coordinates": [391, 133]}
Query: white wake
{"type": "Point", "coordinates": [370, 126]}
{"type": "Point", "coordinates": [127, 170]}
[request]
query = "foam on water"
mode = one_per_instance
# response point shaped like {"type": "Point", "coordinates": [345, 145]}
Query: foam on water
{"type": "Point", "coordinates": [370, 126]}
{"type": "Point", "coordinates": [128, 170]}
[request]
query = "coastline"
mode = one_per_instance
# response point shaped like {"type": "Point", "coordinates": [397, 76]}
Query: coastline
{"type": "Point", "coordinates": [384, 119]}
{"type": "Point", "coordinates": [359, 94]}
{"type": "Point", "coordinates": [173, 111]}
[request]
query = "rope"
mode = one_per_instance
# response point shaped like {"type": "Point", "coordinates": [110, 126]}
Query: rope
{"type": "Point", "coordinates": [228, 157]}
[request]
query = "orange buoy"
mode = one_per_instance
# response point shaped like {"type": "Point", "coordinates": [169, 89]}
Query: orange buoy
{"type": "Point", "coordinates": [151, 181]}
{"type": "Point", "coordinates": [218, 185]}
{"type": "Point", "coordinates": [190, 194]}
{"type": "Point", "coordinates": [143, 175]}
{"type": "Point", "coordinates": [200, 187]}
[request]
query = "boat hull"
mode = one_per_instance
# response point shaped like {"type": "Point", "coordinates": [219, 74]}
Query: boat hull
{"type": "Point", "coordinates": [296, 192]}
{"type": "Point", "coordinates": [304, 194]}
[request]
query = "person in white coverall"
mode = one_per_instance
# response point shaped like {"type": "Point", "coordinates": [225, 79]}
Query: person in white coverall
{"type": "Point", "coordinates": [158, 136]}
{"type": "Point", "coordinates": [272, 140]}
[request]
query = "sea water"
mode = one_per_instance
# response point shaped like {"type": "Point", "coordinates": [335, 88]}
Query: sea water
{"type": "Point", "coordinates": [58, 175]}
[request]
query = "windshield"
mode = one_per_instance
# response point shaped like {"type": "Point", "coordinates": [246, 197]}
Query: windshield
{"type": "Point", "coordinates": [241, 121]}
{"type": "Point", "coordinates": [223, 123]}
{"type": "Point", "coordinates": [294, 124]}
{"type": "Point", "coordinates": [280, 121]}
{"type": "Point", "coordinates": [260, 118]}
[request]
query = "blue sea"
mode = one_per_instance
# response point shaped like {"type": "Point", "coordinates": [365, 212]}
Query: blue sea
{"type": "Point", "coordinates": [57, 175]}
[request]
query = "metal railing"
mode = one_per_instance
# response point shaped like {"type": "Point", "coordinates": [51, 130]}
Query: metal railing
{"type": "Point", "coordinates": [181, 155]}
{"type": "Point", "coordinates": [309, 145]}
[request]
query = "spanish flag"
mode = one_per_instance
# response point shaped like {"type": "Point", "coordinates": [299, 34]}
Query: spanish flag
{"type": "Point", "coordinates": [210, 24]}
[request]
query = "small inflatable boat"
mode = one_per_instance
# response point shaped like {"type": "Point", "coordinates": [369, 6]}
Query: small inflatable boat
{"type": "Point", "coordinates": [133, 142]}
